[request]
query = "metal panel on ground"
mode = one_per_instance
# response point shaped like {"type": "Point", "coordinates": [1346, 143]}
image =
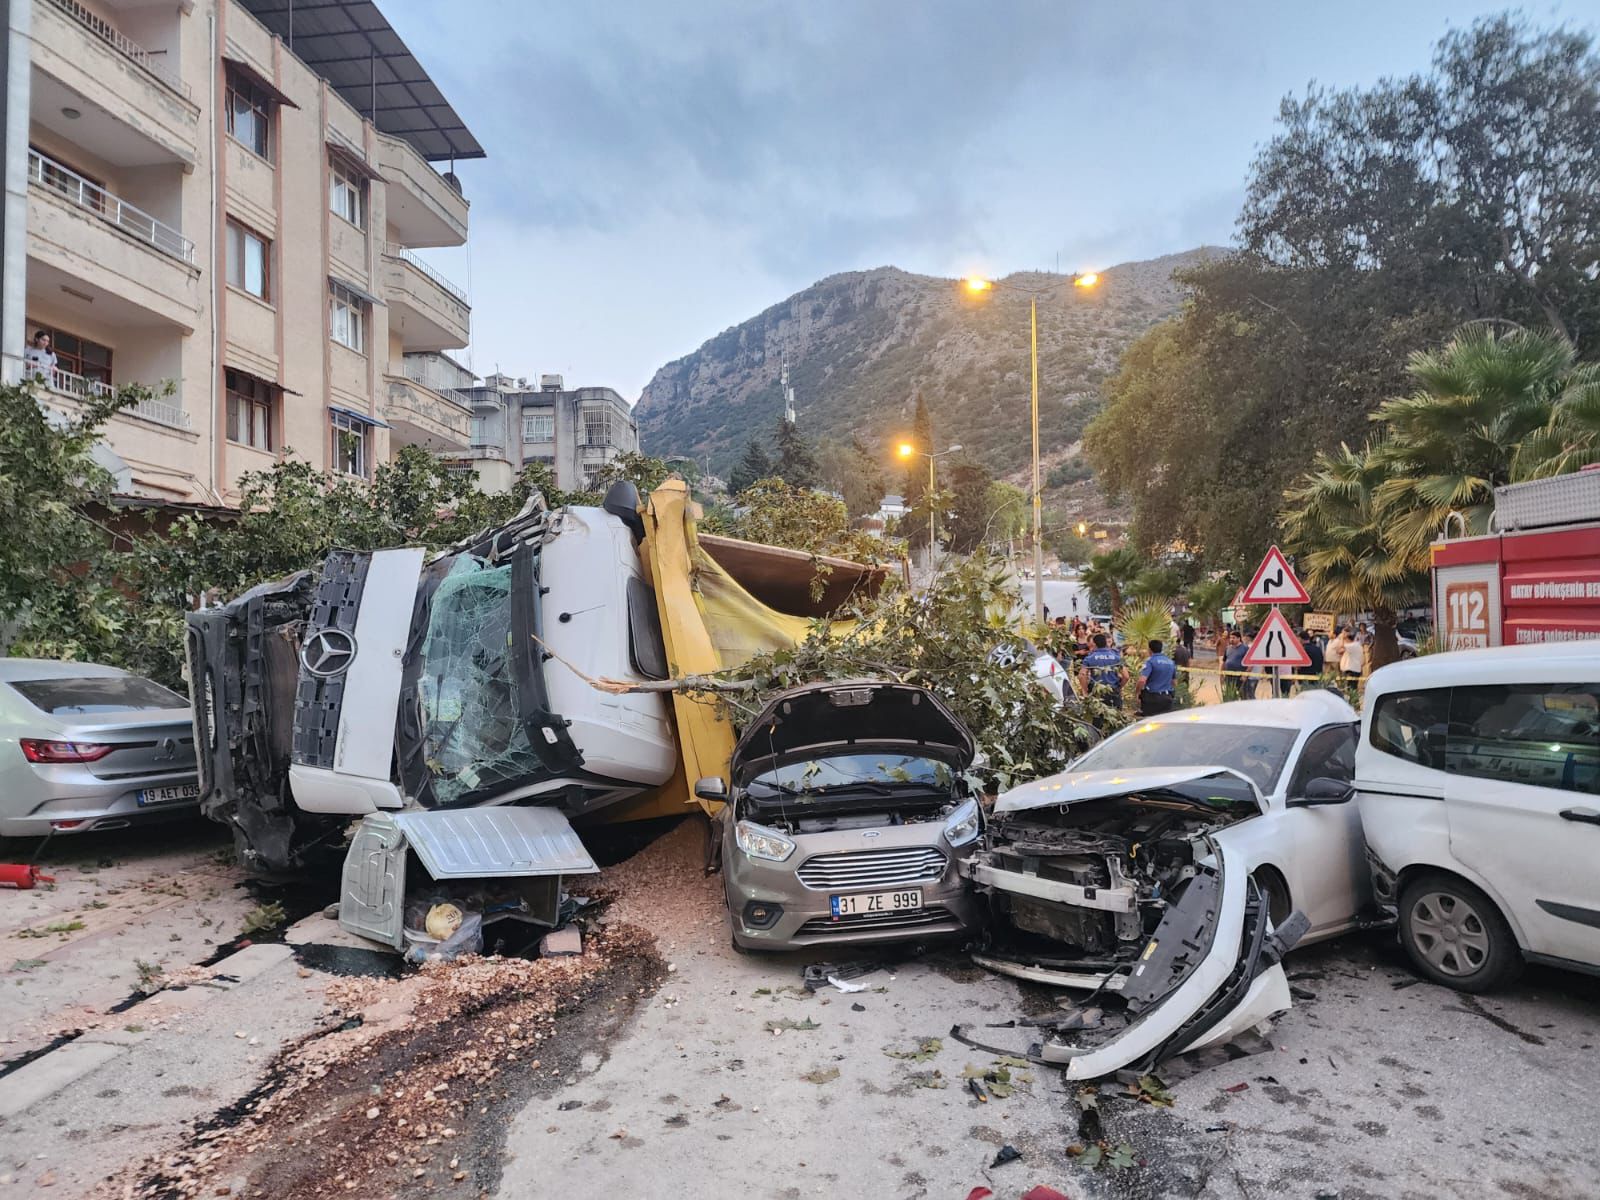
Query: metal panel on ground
{"type": "Point", "coordinates": [495, 843]}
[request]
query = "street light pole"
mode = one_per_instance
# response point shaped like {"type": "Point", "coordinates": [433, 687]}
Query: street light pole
{"type": "Point", "coordinates": [930, 511]}
{"type": "Point", "coordinates": [1038, 500]}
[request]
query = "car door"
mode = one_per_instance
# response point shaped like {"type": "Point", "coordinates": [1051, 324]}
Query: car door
{"type": "Point", "coordinates": [1330, 879]}
{"type": "Point", "coordinates": [1523, 806]}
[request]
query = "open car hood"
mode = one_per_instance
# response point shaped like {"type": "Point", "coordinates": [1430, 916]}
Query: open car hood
{"type": "Point", "coordinates": [1071, 787]}
{"type": "Point", "coordinates": [841, 718]}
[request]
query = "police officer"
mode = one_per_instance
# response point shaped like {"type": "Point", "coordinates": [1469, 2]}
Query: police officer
{"type": "Point", "coordinates": [1102, 673]}
{"type": "Point", "coordinates": [1157, 678]}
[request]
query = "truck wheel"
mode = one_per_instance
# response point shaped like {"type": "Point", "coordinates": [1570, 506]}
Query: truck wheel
{"type": "Point", "coordinates": [1455, 935]}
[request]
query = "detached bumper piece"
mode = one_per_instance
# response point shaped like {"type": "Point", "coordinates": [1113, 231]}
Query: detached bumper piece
{"type": "Point", "coordinates": [1210, 971]}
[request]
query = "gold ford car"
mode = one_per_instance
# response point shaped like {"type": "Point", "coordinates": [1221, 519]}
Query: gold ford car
{"type": "Point", "coordinates": [849, 814]}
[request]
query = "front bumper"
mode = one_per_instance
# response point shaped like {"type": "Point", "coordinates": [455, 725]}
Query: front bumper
{"type": "Point", "coordinates": [948, 906]}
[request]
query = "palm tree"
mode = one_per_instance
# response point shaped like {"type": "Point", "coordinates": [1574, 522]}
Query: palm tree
{"type": "Point", "coordinates": [1451, 443]}
{"type": "Point", "coordinates": [1571, 440]}
{"type": "Point", "coordinates": [1206, 600]}
{"type": "Point", "coordinates": [1156, 583]}
{"type": "Point", "coordinates": [1340, 529]}
{"type": "Point", "coordinates": [1110, 573]}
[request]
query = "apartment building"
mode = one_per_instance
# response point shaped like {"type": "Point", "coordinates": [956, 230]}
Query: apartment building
{"type": "Point", "coordinates": [225, 197]}
{"type": "Point", "coordinates": [575, 431]}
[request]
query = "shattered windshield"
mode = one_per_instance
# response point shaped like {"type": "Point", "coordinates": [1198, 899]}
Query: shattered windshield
{"type": "Point", "coordinates": [1256, 753]}
{"type": "Point", "coordinates": [473, 738]}
{"type": "Point", "coordinates": [845, 772]}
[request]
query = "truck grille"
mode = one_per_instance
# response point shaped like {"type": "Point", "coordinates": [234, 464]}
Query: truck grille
{"type": "Point", "coordinates": [862, 922]}
{"type": "Point", "coordinates": [872, 868]}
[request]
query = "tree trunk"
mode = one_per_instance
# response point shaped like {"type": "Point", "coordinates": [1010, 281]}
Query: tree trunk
{"type": "Point", "coordinates": [1116, 602]}
{"type": "Point", "coordinates": [1385, 640]}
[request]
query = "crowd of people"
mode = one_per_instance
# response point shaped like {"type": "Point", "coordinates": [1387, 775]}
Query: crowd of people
{"type": "Point", "coordinates": [1097, 662]}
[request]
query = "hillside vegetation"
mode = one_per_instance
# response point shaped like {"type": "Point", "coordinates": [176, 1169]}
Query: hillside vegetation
{"type": "Point", "coordinates": [861, 345]}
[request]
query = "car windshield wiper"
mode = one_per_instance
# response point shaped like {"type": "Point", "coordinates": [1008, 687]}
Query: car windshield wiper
{"type": "Point", "coordinates": [774, 789]}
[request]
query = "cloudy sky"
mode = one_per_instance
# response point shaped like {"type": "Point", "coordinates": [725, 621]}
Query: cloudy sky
{"type": "Point", "coordinates": [660, 171]}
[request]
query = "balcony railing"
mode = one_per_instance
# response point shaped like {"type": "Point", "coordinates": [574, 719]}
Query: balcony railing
{"type": "Point", "coordinates": [418, 372]}
{"type": "Point", "coordinates": [159, 411]}
{"type": "Point", "coordinates": [124, 45]}
{"type": "Point", "coordinates": [392, 250]}
{"type": "Point", "coordinates": [92, 198]}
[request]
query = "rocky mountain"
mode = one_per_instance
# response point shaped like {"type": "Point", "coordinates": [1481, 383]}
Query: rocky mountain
{"type": "Point", "coordinates": [862, 344]}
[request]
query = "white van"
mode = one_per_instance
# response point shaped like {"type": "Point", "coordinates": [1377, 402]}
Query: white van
{"type": "Point", "coordinates": [1478, 775]}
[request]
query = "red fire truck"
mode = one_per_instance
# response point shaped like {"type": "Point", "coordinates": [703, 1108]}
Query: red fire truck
{"type": "Point", "coordinates": [1535, 577]}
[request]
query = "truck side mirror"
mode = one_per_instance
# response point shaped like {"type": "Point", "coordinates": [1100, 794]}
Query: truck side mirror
{"type": "Point", "coordinates": [711, 788]}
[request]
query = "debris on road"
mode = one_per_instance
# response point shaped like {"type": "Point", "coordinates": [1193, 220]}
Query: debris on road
{"type": "Point", "coordinates": [925, 1050]}
{"type": "Point", "coordinates": [566, 940]}
{"type": "Point", "coordinates": [1008, 1153]}
{"type": "Point", "coordinates": [22, 876]}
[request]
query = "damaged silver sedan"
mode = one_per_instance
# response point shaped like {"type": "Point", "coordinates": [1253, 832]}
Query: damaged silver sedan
{"type": "Point", "coordinates": [1173, 890]}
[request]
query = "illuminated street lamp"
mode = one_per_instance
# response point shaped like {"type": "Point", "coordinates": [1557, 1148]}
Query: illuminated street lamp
{"type": "Point", "coordinates": [977, 286]}
{"type": "Point", "coordinates": [909, 450]}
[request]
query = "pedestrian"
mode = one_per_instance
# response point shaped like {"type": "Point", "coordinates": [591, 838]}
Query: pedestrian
{"type": "Point", "coordinates": [1102, 674]}
{"type": "Point", "coordinates": [1313, 649]}
{"type": "Point", "coordinates": [1186, 635]}
{"type": "Point", "coordinates": [1352, 657]}
{"type": "Point", "coordinates": [39, 359]}
{"type": "Point", "coordinates": [1157, 678]}
{"type": "Point", "coordinates": [1182, 655]}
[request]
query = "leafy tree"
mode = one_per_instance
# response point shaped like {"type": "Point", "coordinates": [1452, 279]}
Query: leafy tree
{"type": "Point", "coordinates": [1207, 599]}
{"type": "Point", "coordinates": [853, 471]}
{"type": "Point", "coordinates": [1376, 223]}
{"type": "Point", "coordinates": [1068, 545]}
{"type": "Point", "coordinates": [1109, 573]}
{"type": "Point", "coordinates": [753, 465]}
{"type": "Point", "coordinates": [915, 488]}
{"type": "Point", "coordinates": [943, 638]}
{"type": "Point", "coordinates": [1337, 526]}
{"type": "Point", "coordinates": [1009, 514]}
{"type": "Point", "coordinates": [795, 463]}
{"type": "Point", "coordinates": [641, 470]}
{"type": "Point", "coordinates": [1156, 583]}
{"type": "Point", "coordinates": [776, 514]}
{"type": "Point", "coordinates": [969, 525]}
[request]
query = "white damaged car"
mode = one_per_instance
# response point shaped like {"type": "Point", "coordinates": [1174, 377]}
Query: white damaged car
{"type": "Point", "coordinates": [1170, 868]}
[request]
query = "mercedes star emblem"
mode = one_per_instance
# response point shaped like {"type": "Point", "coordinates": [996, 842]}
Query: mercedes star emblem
{"type": "Point", "coordinates": [328, 652]}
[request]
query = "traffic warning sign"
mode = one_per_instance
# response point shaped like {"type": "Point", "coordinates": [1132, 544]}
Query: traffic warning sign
{"type": "Point", "coordinates": [1275, 645]}
{"type": "Point", "coordinates": [1275, 583]}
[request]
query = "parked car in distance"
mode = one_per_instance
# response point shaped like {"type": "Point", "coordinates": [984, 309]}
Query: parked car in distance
{"type": "Point", "coordinates": [1047, 669]}
{"type": "Point", "coordinates": [848, 814]}
{"type": "Point", "coordinates": [85, 747]}
{"type": "Point", "coordinates": [1478, 776]}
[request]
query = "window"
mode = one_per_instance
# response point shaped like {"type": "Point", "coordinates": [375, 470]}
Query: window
{"type": "Point", "coordinates": [251, 403]}
{"type": "Point", "coordinates": [1330, 753]}
{"type": "Point", "coordinates": [1538, 734]}
{"type": "Point", "coordinates": [646, 649]}
{"type": "Point", "coordinates": [76, 355]}
{"type": "Point", "coordinates": [347, 194]}
{"type": "Point", "coordinates": [349, 445]}
{"type": "Point", "coordinates": [347, 318]}
{"type": "Point", "coordinates": [1256, 752]}
{"type": "Point", "coordinates": [538, 427]}
{"type": "Point", "coordinates": [1411, 725]}
{"type": "Point", "coordinates": [98, 694]}
{"type": "Point", "coordinates": [597, 425]}
{"type": "Point", "coordinates": [249, 261]}
{"type": "Point", "coordinates": [249, 115]}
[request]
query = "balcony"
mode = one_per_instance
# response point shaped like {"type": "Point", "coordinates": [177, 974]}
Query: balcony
{"type": "Point", "coordinates": [96, 246]}
{"type": "Point", "coordinates": [158, 412]}
{"type": "Point", "coordinates": [422, 206]}
{"type": "Point", "coordinates": [420, 416]}
{"type": "Point", "coordinates": [134, 109]}
{"type": "Point", "coordinates": [426, 309]}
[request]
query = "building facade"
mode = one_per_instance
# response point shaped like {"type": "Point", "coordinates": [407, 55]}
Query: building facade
{"type": "Point", "coordinates": [223, 200]}
{"type": "Point", "coordinates": [574, 431]}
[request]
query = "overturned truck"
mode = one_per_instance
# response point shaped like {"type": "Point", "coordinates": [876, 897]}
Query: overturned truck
{"type": "Point", "coordinates": [411, 694]}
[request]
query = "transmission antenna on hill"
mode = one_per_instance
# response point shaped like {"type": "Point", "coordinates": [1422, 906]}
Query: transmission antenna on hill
{"type": "Point", "coordinates": [788, 393]}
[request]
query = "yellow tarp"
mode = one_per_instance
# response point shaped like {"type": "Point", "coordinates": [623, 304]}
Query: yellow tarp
{"type": "Point", "coordinates": [709, 623]}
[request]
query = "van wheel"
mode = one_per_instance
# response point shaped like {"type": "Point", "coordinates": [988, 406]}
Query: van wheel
{"type": "Point", "coordinates": [1455, 935]}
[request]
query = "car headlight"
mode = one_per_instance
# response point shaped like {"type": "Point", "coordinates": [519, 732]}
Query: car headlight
{"type": "Point", "coordinates": [963, 824]}
{"type": "Point", "coordinates": [760, 842]}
